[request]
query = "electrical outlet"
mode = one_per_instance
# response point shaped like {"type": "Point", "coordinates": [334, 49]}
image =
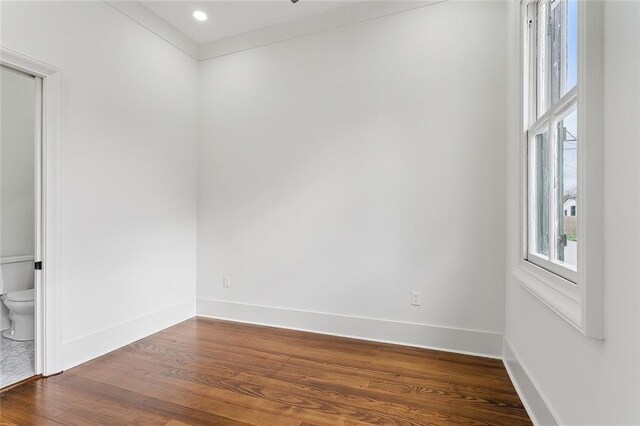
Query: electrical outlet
{"type": "Point", "coordinates": [226, 281]}
{"type": "Point", "coordinates": [172, 286]}
{"type": "Point", "coordinates": [415, 298]}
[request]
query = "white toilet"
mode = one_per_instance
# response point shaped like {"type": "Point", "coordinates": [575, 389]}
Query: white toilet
{"type": "Point", "coordinates": [21, 313]}
{"type": "Point", "coordinates": [17, 294]}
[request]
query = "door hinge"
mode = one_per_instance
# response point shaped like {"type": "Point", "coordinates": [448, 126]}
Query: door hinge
{"type": "Point", "coordinates": [38, 266]}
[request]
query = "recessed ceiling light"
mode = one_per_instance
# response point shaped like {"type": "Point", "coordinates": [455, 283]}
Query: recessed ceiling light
{"type": "Point", "coordinates": [200, 15]}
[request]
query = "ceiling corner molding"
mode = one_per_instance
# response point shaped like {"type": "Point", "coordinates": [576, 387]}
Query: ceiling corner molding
{"type": "Point", "coordinates": [332, 19]}
{"type": "Point", "coordinates": [152, 22]}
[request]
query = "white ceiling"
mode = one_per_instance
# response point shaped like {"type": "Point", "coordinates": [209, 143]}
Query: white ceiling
{"type": "Point", "coordinates": [233, 17]}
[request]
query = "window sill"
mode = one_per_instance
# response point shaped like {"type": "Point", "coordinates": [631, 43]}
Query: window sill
{"type": "Point", "coordinates": [545, 287]}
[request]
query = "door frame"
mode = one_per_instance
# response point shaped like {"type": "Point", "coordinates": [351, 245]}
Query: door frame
{"type": "Point", "coordinates": [48, 315]}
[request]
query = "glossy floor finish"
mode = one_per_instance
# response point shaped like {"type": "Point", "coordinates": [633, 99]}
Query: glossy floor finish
{"type": "Point", "coordinates": [206, 371]}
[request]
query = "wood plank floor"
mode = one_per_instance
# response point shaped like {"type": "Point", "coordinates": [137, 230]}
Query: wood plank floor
{"type": "Point", "coordinates": [206, 371]}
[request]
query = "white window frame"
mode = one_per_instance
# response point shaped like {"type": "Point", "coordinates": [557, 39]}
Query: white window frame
{"type": "Point", "coordinates": [577, 296]}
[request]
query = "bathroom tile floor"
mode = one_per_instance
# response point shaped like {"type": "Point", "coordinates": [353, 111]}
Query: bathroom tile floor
{"type": "Point", "coordinates": [16, 361]}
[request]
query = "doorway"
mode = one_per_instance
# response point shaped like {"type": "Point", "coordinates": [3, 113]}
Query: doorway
{"type": "Point", "coordinates": [47, 170]}
{"type": "Point", "coordinates": [20, 223]}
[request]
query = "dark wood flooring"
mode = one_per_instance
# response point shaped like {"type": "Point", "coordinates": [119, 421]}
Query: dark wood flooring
{"type": "Point", "coordinates": [206, 371]}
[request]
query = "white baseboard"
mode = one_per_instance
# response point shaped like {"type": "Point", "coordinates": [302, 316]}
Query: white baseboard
{"type": "Point", "coordinates": [88, 347]}
{"type": "Point", "coordinates": [534, 401]}
{"type": "Point", "coordinates": [472, 342]}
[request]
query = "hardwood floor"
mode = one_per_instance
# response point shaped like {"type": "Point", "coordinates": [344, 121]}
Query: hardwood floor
{"type": "Point", "coordinates": [206, 371]}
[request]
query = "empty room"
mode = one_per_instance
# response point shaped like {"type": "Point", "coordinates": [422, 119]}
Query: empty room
{"type": "Point", "coordinates": [320, 212]}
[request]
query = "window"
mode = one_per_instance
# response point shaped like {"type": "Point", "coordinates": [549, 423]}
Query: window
{"type": "Point", "coordinates": [552, 129]}
{"type": "Point", "coordinates": [560, 256]}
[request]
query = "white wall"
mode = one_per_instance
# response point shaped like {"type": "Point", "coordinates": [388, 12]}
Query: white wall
{"type": "Point", "coordinates": [17, 160]}
{"type": "Point", "coordinates": [128, 170]}
{"type": "Point", "coordinates": [587, 381]}
{"type": "Point", "coordinates": [339, 171]}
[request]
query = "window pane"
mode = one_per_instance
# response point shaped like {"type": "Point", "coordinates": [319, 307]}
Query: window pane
{"type": "Point", "coordinates": [541, 60]}
{"type": "Point", "coordinates": [567, 184]}
{"type": "Point", "coordinates": [557, 51]}
{"type": "Point", "coordinates": [562, 41]}
{"type": "Point", "coordinates": [572, 45]}
{"type": "Point", "coordinates": [539, 202]}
